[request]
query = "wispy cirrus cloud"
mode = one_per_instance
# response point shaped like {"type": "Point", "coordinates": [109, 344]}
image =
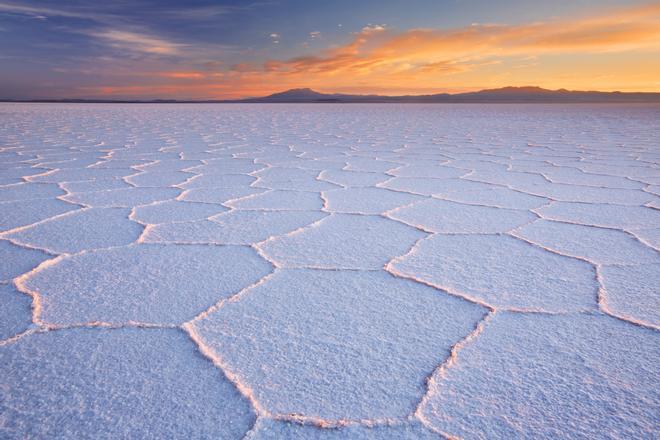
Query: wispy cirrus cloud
{"type": "Point", "coordinates": [137, 42]}
{"type": "Point", "coordinates": [108, 28]}
{"type": "Point", "coordinates": [210, 12]}
{"type": "Point", "coordinates": [46, 11]}
{"type": "Point", "coordinates": [377, 48]}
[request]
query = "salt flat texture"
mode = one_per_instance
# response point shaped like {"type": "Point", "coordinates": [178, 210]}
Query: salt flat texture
{"type": "Point", "coordinates": [329, 271]}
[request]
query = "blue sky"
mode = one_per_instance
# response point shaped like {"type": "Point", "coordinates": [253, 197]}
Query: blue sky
{"type": "Point", "coordinates": [90, 48]}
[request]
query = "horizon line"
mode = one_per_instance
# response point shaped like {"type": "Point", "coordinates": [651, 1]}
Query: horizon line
{"type": "Point", "coordinates": [520, 90]}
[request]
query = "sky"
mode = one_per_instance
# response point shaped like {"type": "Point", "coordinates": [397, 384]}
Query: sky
{"type": "Point", "coordinates": [202, 49]}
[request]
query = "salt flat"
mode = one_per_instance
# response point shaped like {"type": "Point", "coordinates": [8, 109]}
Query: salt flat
{"type": "Point", "coordinates": [329, 271]}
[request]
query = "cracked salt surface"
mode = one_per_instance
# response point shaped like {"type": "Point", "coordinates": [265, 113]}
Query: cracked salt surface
{"type": "Point", "coordinates": [321, 353]}
{"type": "Point", "coordinates": [501, 271]}
{"type": "Point", "coordinates": [120, 383]}
{"type": "Point", "coordinates": [15, 314]}
{"type": "Point", "coordinates": [278, 200]}
{"type": "Point", "coordinates": [342, 241]}
{"type": "Point", "coordinates": [175, 211]}
{"type": "Point", "coordinates": [450, 217]}
{"type": "Point", "coordinates": [303, 271]}
{"type": "Point", "coordinates": [366, 200]}
{"type": "Point", "coordinates": [233, 227]}
{"type": "Point", "coordinates": [275, 430]}
{"type": "Point", "coordinates": [76, 231]}
{"type": "Point", "coordinates": [17, 260]}
{"type": "Point", "coordinates": [161, 284]}
{"type": "Point", "coordinates": [26, 212]}
{"type": "Point", "coordinates": [540, 376]}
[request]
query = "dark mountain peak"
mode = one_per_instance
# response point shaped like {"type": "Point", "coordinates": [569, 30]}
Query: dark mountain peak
{"type": "Point", "coordinates": [302, 90]}
{"type": "Point", "coordinates": [517, 90]}
{"type": "Point", "coordinates": [300, 93]}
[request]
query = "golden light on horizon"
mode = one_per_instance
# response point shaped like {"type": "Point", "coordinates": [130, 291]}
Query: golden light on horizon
{"type": "Point", "coordinates": [606, 50]}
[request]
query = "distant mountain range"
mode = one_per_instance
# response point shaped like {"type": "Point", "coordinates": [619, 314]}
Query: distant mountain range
{"type": "Point", "coordinates": [501, 95]}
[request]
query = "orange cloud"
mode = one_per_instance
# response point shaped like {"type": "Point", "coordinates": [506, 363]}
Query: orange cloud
{"type": "Point", "coordinates": [183, 75]}
{"type": "Point", "coordinates": [617, 50]}
{"type": "Point", "coordinates": [420, 50]}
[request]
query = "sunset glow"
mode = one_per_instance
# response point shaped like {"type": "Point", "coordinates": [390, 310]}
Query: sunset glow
{"type": "Point", "coordinates": [234, 50]}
